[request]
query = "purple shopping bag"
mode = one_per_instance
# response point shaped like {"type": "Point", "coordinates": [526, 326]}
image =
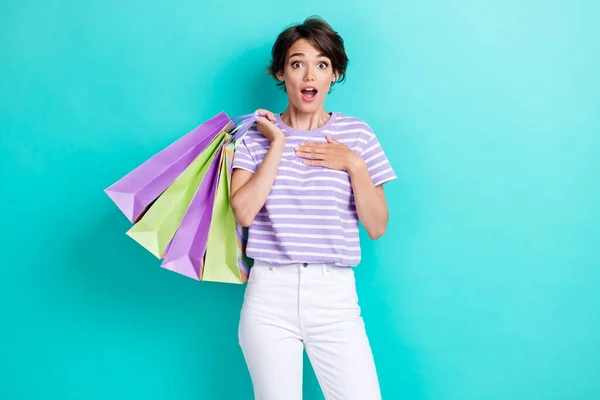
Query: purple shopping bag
{"type": "Point", "coordinates": [139, 188]}
{"type": "Point", "coordinates": [186, 251]}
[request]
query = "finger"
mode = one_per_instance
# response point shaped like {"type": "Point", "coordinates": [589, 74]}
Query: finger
{"type": "Point", "coordinates": [314, 163]}
{"type": "Point", "coordinates": [266, 113]}
{"type": "Point", "coordinates": [309, 155]}
{"type": "Point", "coordinates": [331, 140]}
{"type": "Point", "coordinates": [316, 150]}
{"type": "Point", "coordinates": [262, 120]}
{"type": "Point", "coordinates": [314, 145]}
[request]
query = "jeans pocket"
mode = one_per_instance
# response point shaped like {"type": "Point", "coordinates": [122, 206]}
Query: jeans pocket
{"type": "Point", "coordinates": [339, 274]}
{"type": "Point", "coordinates": [258, 273]}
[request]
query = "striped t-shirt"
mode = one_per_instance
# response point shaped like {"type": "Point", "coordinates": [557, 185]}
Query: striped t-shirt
{"type": "Point", "coordinates": [310, 214]}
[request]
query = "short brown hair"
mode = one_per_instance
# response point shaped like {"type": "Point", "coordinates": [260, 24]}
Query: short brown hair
{"type": "Point", "coordinates": [322, 37]}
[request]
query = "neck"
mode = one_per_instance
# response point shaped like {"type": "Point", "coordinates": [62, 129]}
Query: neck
{"type": "Point", "coordinates": [299, 120]}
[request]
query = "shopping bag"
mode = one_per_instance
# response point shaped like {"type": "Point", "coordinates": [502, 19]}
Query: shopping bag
{"type": "Point", "coordinates": [156, 228]}
{"type": "Point", "coordinates": [189, 221]}
{"type": "Point", "coordinates": [224, 259]}
{"type": "Point", "coordinates": [209, 244]}
{"type": "Point", "coordinates": [185, 254]}
{"type": "Point", "coordinates": [244, 262]}
{"type": "Point", "coordinates": [139, 188]}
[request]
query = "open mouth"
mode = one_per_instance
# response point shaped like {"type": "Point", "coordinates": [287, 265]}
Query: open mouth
{"type": "Point", "coordinates": [309, 93]}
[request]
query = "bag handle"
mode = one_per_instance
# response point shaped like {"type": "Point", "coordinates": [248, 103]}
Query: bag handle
{"type": "Point", "coordinates": [240, 130]}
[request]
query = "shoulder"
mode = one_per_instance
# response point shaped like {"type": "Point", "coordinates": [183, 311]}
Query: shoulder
{"type": "Point", "coordinates": [253, 138]}
{"type": "Point", "coordinates": [343, 123]}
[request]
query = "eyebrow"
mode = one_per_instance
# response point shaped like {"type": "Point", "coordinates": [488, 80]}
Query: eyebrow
{"type": "Point", "coordinates": [302, 55]}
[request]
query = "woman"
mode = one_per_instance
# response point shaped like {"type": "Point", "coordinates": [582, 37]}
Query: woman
{"type": "Point", "coordinates": [302, 180]}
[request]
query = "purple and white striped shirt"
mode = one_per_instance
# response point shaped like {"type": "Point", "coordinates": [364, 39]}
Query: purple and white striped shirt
{"type": "Point", "coordinates": [310, 214]}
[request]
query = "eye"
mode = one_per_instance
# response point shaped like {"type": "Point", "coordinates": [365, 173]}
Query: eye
{"type": "Point", "coordinates": [323, 65]}
{"type": "Point", "coordinates": [296, 64]}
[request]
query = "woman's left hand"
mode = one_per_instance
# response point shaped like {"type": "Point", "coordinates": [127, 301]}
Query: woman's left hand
{"type": "Point", "coordinates": [332, 154]}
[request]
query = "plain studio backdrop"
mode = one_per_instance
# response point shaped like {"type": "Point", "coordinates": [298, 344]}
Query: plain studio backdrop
{"type": "Point", "coordinates": [487, 282]}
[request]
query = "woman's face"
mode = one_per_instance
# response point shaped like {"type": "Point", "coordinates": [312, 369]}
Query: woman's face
{"type": "Point", "coordinates": [308, 75]}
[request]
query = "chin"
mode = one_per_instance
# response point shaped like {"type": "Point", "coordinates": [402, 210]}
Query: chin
{"type": "Point", "coordinates": [308, 108]}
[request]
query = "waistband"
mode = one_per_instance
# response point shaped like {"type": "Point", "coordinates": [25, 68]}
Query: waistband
{"type": "Point", "coordinates": [259, 263]}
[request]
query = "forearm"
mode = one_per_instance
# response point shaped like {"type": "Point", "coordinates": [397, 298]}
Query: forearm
{"type": "Point", "coordinates": [251, 197]}
{"type": "Point", "coordinates": [371, 208]}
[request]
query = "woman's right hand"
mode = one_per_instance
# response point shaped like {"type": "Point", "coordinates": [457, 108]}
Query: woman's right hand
{"type": "Point", "coordinates": [266, 125]}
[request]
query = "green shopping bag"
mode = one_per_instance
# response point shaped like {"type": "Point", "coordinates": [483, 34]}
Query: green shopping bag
{"type": "Point", "coordinates": [224, 253]}
{"type": "Point", "coordinates": [158, 225]}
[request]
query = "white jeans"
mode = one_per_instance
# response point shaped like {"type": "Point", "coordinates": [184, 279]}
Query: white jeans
{"type": "Point", "coordinates": [306, 306]}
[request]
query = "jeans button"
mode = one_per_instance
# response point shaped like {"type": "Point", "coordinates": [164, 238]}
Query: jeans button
{"type": "Point", "coordinates": [305, 265]}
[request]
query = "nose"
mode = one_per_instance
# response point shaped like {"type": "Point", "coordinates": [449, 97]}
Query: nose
{"type": "Point", "coordinates": [309, 75]}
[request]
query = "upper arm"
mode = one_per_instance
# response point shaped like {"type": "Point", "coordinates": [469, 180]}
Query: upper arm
{"type": "Point", "coordinates": [377, 162]}
{"type": "Point", "coordinates": [239, 178]}
{"type": "Point", "coordinates": [244, 165]}
{"type": "Point", "coordinates": [381, 195]}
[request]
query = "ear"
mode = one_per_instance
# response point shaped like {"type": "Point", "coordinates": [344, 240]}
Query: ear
{"type": "Point", "coordinates": [279, 75]}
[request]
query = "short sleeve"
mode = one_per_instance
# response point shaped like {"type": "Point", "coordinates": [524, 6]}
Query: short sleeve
{"type": "Point", "coordinates": [242, 157]}
{"type": "Point", "coordinates": [377, 162]}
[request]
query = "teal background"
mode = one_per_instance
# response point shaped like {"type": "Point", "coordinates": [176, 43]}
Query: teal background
{"type": "Point", "coordinates": [486, 285]}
